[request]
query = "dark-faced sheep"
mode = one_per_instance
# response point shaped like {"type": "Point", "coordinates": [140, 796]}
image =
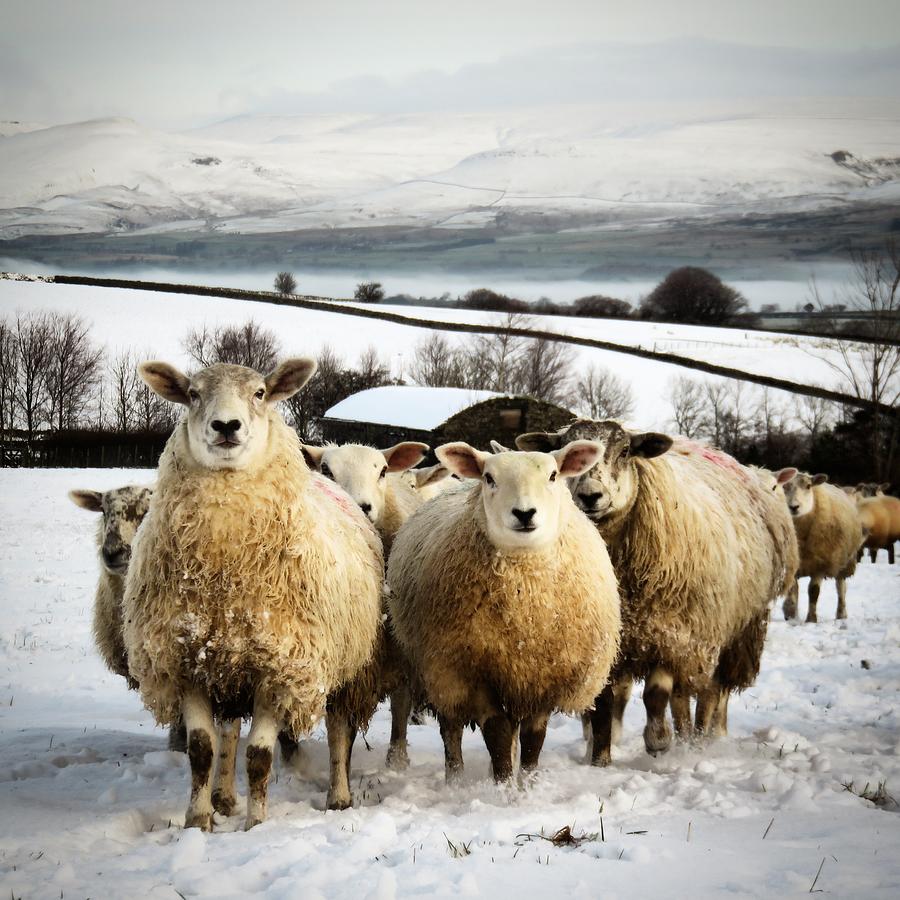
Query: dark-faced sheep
{"type": "Point", "coordinates": [504, 601]}
{"type": "Point", "coordinates": [255, 585]}
{"type": "Point", "coordinates": [700, 549]}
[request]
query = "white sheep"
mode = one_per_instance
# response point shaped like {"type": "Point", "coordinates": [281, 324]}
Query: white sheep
{"type": "Point", "coordinates": [376, 480]}
{"type": "Point", "coordinates": [254, 586]}
{"type": "Point", "coordinates": [504, 601]}
{"type": "Point", "coordinates": [829, 534]}
{"type": "Point", "coordinates": [700, 549]}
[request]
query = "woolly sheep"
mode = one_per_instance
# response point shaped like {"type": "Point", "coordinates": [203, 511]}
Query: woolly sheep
{"type": "Point", "coordinates": [829, 534]}
{"type": "Point", "coordinates": [376, 480]}
{"type": "Point", "coordinates": [255, 585]}
{"type": "Point", "coordinates": [123, 509]}
{"type": "Point", "coordinates": [700, 549]}
{"type": "Point", "coordinates": [504, 601]}
{"type": "Point", "coordinates": [880, 516]}
{"type": "Point", "coordinates": [430, 481]}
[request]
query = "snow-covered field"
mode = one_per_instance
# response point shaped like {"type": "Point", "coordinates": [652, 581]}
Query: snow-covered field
{"type": "Point", "coordinates": [92, 802]}
{"type": "Point", "coordinates": [615, 162]}
{"type": "Point", "coordinates": [154, 323]}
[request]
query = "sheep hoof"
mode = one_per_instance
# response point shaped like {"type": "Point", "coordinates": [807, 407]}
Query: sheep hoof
{"type": "Point", "coordinates": [397, 758]}
{"type": "Point", "coordinates": [224, 804]}
{"type": "Point", "coordinates": [338, 803]}
{"type": "Point", "coordinates": [601, 760]}
{"type": "Point", "coordinates": [657, 740]}
{"type": "Point", "coordinates": [811, 619]}
{"type": "Point", "coordinates": [203, 821]}
{"type": "Point", "coordinates": [790, 612]}
{"type": "Point", "coordinates": [252, 822]}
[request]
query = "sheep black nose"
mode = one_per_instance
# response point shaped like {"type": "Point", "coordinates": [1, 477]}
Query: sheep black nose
{"type": "Point", "coordinates": [115, 558]}
{"type": "Point", "coordinates": [793, 507]}
{"type": "Point", "coordinates": [524, 515]}
{"type": "Point", "coordinates": [366, 507]}
{"type": "Point", "coordinates": [226, 429]}
{"type": "Point", "coordinates": [590, 500]}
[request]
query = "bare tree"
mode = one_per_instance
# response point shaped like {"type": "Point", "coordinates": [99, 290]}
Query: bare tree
{"type": "Point", "coordinates": [285, 283]}
{"type": "Point", "coordinates": [688, 406]}
{"type": "Point", "coordinates": [815, 415]}
{"type": "Point", "coordinates": [73, 369]}
{"type": "Point", "coordinates": [437, 363]}
{"type": "Point", "coordinates": [241, 345]}
{"type": "Point", "coordinates": [600, 394]}
{"type": "Point", "coordinates": [33, 340]}
{"type": "Point", "coordinates": [8, 376]}
{"type": "Point", "coordinates": [369, 292]}
{"type": "Point", "coordinates": [544, 370]}
{"type": "Point", "coordinates": [871, 369]}
{"type": "Point", "coordinates": [493, 360]}
{"type": "Point", "coordinates": [124, 381]}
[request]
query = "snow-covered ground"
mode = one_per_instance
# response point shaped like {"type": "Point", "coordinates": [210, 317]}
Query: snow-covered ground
{"type": "Point", "coordinates": [156, 324]}
{"type": "Point", "coordinates": [92, 802]}
{"type": "Point", "coordinates": [604, 162]}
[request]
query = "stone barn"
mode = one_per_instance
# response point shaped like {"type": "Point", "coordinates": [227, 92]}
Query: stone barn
{"type": "Point", "coordinates": [384, 416]}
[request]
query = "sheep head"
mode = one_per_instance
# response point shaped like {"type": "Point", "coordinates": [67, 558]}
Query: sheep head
{"type": "Point", "coordinates": [612, 482]}
{"type": "Point", "coordinates": [523, 494]}
{"type": "Point", "coordinates": [798, 490]}
{"type": "Point", "coordinates": [123, 511]}
{"type": "Point", "coordinates": [228, 407]}
{"type": "Point", "coordinates": [362, 471]}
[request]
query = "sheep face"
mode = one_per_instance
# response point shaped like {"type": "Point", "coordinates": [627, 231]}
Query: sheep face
{"type": "Point", "coordinates": [871, 489]}
{"type": "Point", "coordinates": [798, 492]}
{"type": "Point", "coordinates": [522, 494]}
{"type": "Point", "coordinates": [611, 484]}
{"type": "Point", "coordinates": [228, 407]}
{"type": "Point", "coordinates": [123, 511]}
{"type": "Point", "coordinates": [362, 471]}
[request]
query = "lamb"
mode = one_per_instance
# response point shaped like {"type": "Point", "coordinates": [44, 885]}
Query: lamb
{"type": "Point", "coordinates": [376, 480]}
{"type": "Point", "coordinates": [255, 585]}
{"type": "Point", "coordinates": [700, 549]}
{"type": "Point", "coordinates": [829, 534]}
{"type": "Point", "coordinates": [504, 601]}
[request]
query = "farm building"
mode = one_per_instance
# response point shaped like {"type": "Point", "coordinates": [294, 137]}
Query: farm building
{"type": "Point", "coordinates": [384, 416]}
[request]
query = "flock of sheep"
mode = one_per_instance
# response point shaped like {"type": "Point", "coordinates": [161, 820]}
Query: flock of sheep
{"type": "Point", "coordinates": [268, 580]}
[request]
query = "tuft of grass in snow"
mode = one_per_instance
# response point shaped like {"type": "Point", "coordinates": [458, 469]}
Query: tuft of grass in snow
{"type": "Point", "coordinates": [878, 795]}
{"type": "Point", "coordinates": [457, 851]}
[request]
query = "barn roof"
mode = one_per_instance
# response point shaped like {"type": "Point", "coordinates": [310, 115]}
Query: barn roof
{"type": "Point", "coordinates": [407, 406]}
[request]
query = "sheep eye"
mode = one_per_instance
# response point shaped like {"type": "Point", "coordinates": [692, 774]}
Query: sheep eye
{"type": "Point", "coordinates": [326, 471]}
{"type": "Point", "coordinates": [193, 395]}
{"type": "Point", "coordinates": [553, 476]}
{"type": "Point", "coordinates": [489, 481]}
{"type": "Point", "coordinates": [383, 472]}
{"type": "Point", "coordinates": [260, 394]}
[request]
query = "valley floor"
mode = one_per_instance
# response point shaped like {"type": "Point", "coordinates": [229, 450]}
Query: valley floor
{"type": "Point", "coordinates": [93, 803]}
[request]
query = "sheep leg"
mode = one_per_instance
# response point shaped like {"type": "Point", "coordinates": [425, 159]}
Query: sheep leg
{"type": "Point", "coordinates": [657, 690]}
{"type": "Point", "coordinates": [531, 736]}
{"type": "Point", "coordinates": [260, 750]}
{"type": "Point", "coordinates": [497, 731]}
{"type": "Point", "coordinates": [859, 554]}
{"type": "Point", "coordinates": [451, 733]}
{"type": "Point", "coordinates": [201, 742]}
{"type": "Point", "coordinates": [890, 550]}
{"type": "Point", "coordinates": [401, 707]}
{"type": "Point", "coordinates": [842, 598]}
{"type": "Point", "coordinates": [178, 736]}
{"type": "Point", "coordinates": [709, 702]}
{"type": "Point", "coordinates": [789, 607]}
{"type": "Point", "coordinates": [873, 554]}
{"type": "Point", "coordinates": [224, 796]}
{"type": "Point", "coordinates": [720, 716]}
{"type": "Point", "coordinates": [680, 702]}
{"type": "Point", "coordinates": [621, 695]}
{"type": "Point", "coordinates": [290, 748]}
{"type": "Point", "coordinates": [340, 744]}
{"type": "Point", "coordinates": [601, 718]}
{"type": "Point", "coordinates": [815, 585]}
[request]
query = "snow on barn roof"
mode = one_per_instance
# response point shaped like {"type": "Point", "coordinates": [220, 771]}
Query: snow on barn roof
{"type": "Point", "coordinates": [407, 406]}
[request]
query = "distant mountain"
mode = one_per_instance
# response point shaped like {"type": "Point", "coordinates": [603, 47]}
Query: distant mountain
{"type": "Point", "coordinates": [633, 163]}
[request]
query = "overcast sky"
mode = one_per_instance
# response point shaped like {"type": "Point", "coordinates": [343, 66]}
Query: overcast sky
{"type": "Point", "coordinates": [186, 63]}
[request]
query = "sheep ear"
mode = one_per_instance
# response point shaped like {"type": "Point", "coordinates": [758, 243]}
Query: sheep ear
{"type": "Point", "coordinates": [648, 444]}
{"type": "Point", "coordinates": [497, 447]}
{"type": "Point", "coordinates": [90, 500]}
{"type": "Point", "coordinates": [166, 381]}
{"type": "Point", "coordinates": [577, 457]}
{"type": "Point", "coordinates": [783, 476]}
{"type": "Point", "coordinates": [461, 459]}
{"type": "Point", "coordinates": [431, 475]}
{"type": "Point", "coordinates": [539, 441]}
{"type": "Point", "coordinates": [820, 478]}
{"type": "Point", "coordinates": [313, 456]}
{"type": "Point", "coordinates": [883, 487]}
{"type": "Point", "coordinates": [288, 377]}
{"type": "Point", "coordinates": [404, 456]}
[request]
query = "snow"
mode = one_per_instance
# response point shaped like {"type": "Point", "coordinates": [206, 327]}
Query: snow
{"type": "Point", "coordinates": [407, 406]}
{"type": "Point", "coordinates": [154, 325]}
{"type": "Point", "coordinates": [600, 162]}
{"type": "Point", "coordinates": [93, 803]}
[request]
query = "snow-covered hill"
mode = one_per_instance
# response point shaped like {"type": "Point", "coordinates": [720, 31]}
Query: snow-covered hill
{"type": "Point", "coordinates": [603, 162]}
